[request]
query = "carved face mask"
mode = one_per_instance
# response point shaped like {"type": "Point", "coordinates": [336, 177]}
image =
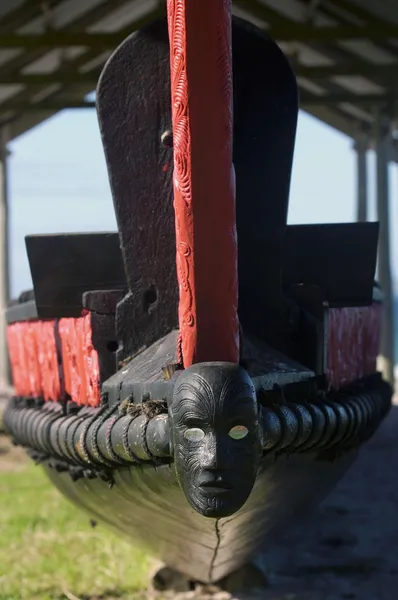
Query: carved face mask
{"type": "Point", "coordinates": [216, 437]}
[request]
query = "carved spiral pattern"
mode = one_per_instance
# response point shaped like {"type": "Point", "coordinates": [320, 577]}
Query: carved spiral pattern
{"type": "Point", "coordinates": [224, 67]}
{"type": "Point", "coordinates": [343, 421]}
{"type": "Point", "coordinates": [336, 424]}
{"type": "Point", "coordinates": [85, 438]}
{"type": "Point", "coordinates": [182, 160]}
{"type": "Point", "coordinates": [198, 193]}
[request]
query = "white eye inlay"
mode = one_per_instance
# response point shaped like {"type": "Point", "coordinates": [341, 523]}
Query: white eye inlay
{"type": "Point", "coordinates": [238, 432]}
{"type": "Point", "coordinates": [194, 434]}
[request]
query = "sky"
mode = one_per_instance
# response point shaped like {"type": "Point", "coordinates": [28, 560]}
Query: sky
{"type": "Point", "coordinates": [58, 183]}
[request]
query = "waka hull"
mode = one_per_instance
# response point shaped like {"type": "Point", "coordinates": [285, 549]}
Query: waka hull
{"type": "Point", "coordinates": [148, 506]}
{"type": "Point", "coordinates": [122, 363]}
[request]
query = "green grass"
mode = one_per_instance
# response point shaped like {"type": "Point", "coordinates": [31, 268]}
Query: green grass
{"type": "Point", "coordinates": [49, 551]}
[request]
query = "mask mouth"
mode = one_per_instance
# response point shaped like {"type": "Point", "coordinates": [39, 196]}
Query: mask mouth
{"type": "Point", "coordinates": [215, 489]}
{"type": "Point", "coordinates": [215, 484]}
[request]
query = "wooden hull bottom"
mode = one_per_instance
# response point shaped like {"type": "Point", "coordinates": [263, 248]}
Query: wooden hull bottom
{"type": "Point", "coordinates": [147, 504]}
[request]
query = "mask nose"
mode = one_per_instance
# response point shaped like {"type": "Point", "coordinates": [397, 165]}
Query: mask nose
{"type": "Point", "coordinates": [209, 460]}
{"type": "Point", "coordinates": [214, 454]}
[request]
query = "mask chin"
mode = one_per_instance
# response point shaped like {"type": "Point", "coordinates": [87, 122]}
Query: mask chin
{"type": "Point", "coordinates": [216, 508]}
{"type": "Point", "coordinates": [219, 504]}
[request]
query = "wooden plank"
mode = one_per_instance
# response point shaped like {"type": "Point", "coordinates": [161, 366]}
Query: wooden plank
{"type": "Point", "coordinates": [64, 266]}
{"type": "Point", "coordinates": [338, 259]}
{"type": "Point", "coordinates": [134, 107]}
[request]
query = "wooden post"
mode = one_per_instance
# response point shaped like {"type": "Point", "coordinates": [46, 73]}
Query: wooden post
{"type": "Point", "coordinates": [4, 267]}
{"type": "Point", "coordinates": [204, 181]}
{"type": "Point", "coordinates": [361, 147]}
{"type": "Point", "coordinates": [383, 139]}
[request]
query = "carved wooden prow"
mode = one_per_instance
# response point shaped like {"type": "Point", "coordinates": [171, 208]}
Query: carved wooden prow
{"type": "Point", "coordinates": [204, 179]}
{"type": "Point", "coordinates": [134, 108]}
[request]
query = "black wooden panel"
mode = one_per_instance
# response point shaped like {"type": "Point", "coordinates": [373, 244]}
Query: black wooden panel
{"type": "Point", "coordinates": [102, 306]}
{"type": "Point", "coordinates": [338, 259]}
{"type": "Point", "coordinates": [65, 266]}
{"type": "Point", "coordinates": [134, 109]}
{"type": "Point", "coordinates": [266, 109]}
{"type": "Point", "coordinates": [133, 104]}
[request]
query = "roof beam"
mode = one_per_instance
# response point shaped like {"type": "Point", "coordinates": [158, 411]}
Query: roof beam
{"type": "Point", "coordinates": [290, 32]}
{"type": "Point", "coordinates": [284, 30]}
{"type": "Point", "coordinates": [306, 99]}
{"type": "Point", "coordinates": [389, 72]}
{"type": "Point", "coordinates": [333, 99]}
{"type": "Point", "coordinates": [305, 33]}
{"type": "Point", "coordinates": [47, 105]}
{"type": "Point", "coordinates": [358, 68]}
{"type": "Point", "coordinates": [64, 77]}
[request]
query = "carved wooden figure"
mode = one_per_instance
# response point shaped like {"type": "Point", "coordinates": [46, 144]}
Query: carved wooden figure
{"type": "Point", "coordinates": [217, 437]}
{"type": "Point", "coordinates": [215, 373]}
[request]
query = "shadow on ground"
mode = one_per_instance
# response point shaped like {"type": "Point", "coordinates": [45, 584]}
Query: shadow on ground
{"type": "Point", "coordinates": [348, 548]}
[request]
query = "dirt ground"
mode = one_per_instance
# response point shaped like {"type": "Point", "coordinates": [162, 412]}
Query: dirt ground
{"type": "Point", "coordinates": [349, 549]}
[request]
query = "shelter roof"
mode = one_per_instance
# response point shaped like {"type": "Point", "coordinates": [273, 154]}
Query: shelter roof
{"type": "Point", "coordinates": [344, 52]}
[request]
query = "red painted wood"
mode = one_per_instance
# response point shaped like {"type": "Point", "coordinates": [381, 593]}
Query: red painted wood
{"type": "Point", "coordinates": [34, 362]}
{"type": "Point", "coordinates": [48, 360]}
{"type": "Point", "coordinates": [80, 361]}
{"type": "Point", "coordinates": [204, 181]}
{"type": "Point", "coordinates": [18, 359]}
{"type": "Point", "coordinates": [33, 359]}
{"type": "Point", "coordinates": [353, 343]}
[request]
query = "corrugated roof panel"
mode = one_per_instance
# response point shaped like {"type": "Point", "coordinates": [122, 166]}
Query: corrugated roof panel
{"type": "Point", "coordinates": [247, 16]}
{"type": "Point", "coordinates": [8, 54]}
{"type": "Point", "coordinates": [345, 117]}
{"type": "Point", "coordinates": [122, 16]}
{"type": "Point", "coordinates": [8, 91]}
{"type": "Point", "coordinates": [342, 13]}
{"type": "Point", "coordinates": [71, 10]}
{"type": "Point", "coordinates": [6, 6]}
{"type": "Point", "coordinates": [312, 58]}
{"type": "Point", "coordinates": [60, 16]}
{"type": "Point", "coordinates": [356, 112]}
{"type": "Point", "coordinates": [95, 62]}
{"type": "Point", "coordinates": [46, 92]}
{"type": "Point", "coordinates": [297, 11]}
{"type": "Point", "coordinates": [310, 86]}
{"type": "Point", "coordinates": [358, 84]}
{"type": "Point", "coordinates": [53, 60]}
{"type": "Point", "coordinates": [384, 9]}
{"type": "Point", "coordinates": [290, 8]}
{"type": "Point", "coordinates": [369, 51]}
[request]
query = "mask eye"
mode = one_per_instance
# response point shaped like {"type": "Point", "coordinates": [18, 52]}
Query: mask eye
{"type": "Point", "coordinates": [238, 432]}
{"type": "Point", "coordinates": [194, 434]}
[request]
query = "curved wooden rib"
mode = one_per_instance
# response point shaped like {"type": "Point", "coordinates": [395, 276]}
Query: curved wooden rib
{"type": "Point", "coordinates": [204, 182]}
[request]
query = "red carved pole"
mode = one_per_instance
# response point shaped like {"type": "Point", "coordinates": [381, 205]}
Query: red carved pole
{"type": "Point", "coordinates": [204, 182]}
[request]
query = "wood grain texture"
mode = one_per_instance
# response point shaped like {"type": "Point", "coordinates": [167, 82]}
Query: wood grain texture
{"type": "Point", "coordinates": [265, 120]}
{"type": "Point", "coordinates": [338, 259]}
{"type": "Point", "coordinates": [204, 179]}
{"type": "Point", "coordinates": [134, 107]}
{"type": "Point", "coordinates": [65, 266]}
{"type": "Point", "coordinates": [147, 505]}
{"type": "Point", "coordinates": [133, 104]}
